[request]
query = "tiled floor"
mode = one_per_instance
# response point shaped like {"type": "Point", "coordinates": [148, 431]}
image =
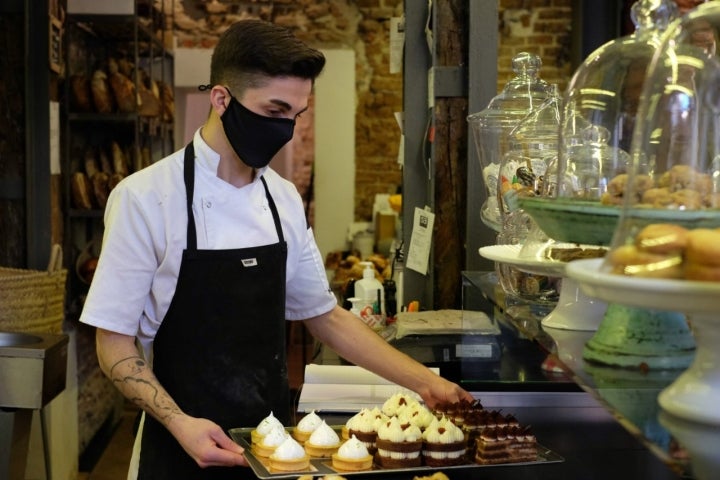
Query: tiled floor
{"type": "Point", "coordinates": [114, 461]}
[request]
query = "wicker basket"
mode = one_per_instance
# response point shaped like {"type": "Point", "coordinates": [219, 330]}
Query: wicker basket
{"type": "Point", "coordinates": [33, 300]}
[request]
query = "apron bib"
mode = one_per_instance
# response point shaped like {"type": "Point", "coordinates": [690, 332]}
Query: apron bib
{"type": "Point", "coordinates": [220, 351]}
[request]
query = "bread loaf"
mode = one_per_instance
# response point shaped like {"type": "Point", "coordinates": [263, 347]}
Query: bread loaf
{"type": "Point", "coordinates": [100, 88]}
{"type": "Point", "coordinates": [105, 163]}
{"type": "Point", "coordinates": [124, 92]}
{"type": "Point", "coordinates": [167, 99]}
{"type": "Point", "coordinates": [148, 95]}
{"type": "Point", "coordinates": [101, 188]}
{"type": "Point", "coordinates": [81, 191]}
{"type": "Point", "coordinates": [118, 159]}
{"type": "Point", "coordinates": [115, 178]}
{"type": "Point", "coordinates": [80, 93]}
{"type": "Point", "coordinates": [91, 165]}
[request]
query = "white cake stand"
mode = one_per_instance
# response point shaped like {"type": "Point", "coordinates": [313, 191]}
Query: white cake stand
{"type": "Point", "coordinates": [690, 402]}
{"type": "Point", "coordinates": [574, 310]}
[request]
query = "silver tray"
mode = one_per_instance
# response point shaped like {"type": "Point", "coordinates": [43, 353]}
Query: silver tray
{"type": "Point", "coordinates": [323, 466]}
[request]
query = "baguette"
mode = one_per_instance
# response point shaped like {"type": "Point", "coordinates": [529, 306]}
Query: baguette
{"type": "Point", "coordinates": [81, 191]}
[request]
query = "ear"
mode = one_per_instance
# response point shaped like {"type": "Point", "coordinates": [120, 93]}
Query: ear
{"type": "Point", "coordinates": [219, 99]}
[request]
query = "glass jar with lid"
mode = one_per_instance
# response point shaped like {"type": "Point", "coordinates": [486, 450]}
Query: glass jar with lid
{"type": "Point", "coordinates": [492, 126]}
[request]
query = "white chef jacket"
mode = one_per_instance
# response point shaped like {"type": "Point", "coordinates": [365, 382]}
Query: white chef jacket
{"type": "Point", "coordinates": [146, 233]}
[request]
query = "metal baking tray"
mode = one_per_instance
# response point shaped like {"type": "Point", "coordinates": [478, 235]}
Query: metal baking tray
{"type": "Point", "coordinates": [323, 466]}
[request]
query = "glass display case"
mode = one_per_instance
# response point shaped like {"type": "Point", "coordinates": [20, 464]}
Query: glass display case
{"type": "Point", "coordinates": [629, 395]}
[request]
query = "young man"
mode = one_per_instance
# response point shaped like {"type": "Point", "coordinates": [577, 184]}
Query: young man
{"type": "Point", "coordinates": [206, 254]}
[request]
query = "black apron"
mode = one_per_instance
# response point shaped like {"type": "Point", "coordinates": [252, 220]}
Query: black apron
{"type": "Point", "coordinates": [220, 351]}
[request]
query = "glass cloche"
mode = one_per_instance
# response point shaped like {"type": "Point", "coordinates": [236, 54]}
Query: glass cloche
{"type": "Point", "coordinates": [491, 126]}
{"type": "Point", "coordinates": [671, 215]}
{"type": "Point", "coordinates": [598, 117]}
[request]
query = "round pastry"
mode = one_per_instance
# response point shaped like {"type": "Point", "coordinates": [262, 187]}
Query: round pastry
{"type": "Point", "coordinates": [630, 260]}
{"type": "Point", "coordinates": [398, 447]}
{"type": "Point", "coordinates": [289, 456]}
{"type": "Point", "coordinates": [352, 456]}
{"type": "Point", "coordinates": [703, 247]}
{"type": "Point", "coordinates": [444, 444]}
{"type": "Point", "coordinates": [264, 427]}
{"type": "Point", "coordinates": [657, 197]}
{"type": "Point", "coordinates": [396, 402]}
{"type": "Point", "coordinates": [416, 414]}
{"type": "Point", "coordinates": [323, 442]}
{"type": "Point", "coordinates": [662, 238]}
{"type": "Point", "coordinates": [688, 199]}
{"type": "Point", "coordinates": [365, 426]}
{"type": "Point", "coordinates": [703, 273]}
{"type": "Point", "coordinates": [306, 426]}
{"type": "Point", "coordinates": [267, 445]}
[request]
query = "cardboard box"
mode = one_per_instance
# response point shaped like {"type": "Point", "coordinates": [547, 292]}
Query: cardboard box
{"type": "Point", "coordinates": [384, 226]}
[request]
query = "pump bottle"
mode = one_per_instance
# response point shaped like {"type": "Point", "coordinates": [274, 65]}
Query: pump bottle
{"type": "Point", "coordinates": [370, 291]}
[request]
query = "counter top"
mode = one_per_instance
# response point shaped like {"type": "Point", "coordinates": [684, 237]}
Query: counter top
{"type": "Point", "coordinates": [609, 432]}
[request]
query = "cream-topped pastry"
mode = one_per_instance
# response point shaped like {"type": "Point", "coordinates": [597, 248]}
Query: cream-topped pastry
{"type": "Point", "coordinates": [398, 447]}
{"type": "Point", "coordinates": [323, 442]}
{"type": "Point", "coordinates": [352, 456]}
{"type": "Point", "coordinates": [354, 420]}
{"type": "Point", "coordinates": [267, 445]}
{"type": "Point", "coordinates": [265, 425]}
{"type": "Point", "coordinates": [444, 444]}
{"type": "Point", "coordinates": [306, 426]}
{"type": "Point", "coordinates": [416, 414]}
{"type": "Point", "coordinates": [364, 426]}
{"type": "Point", "coordinates": [289, 456]}
{"type": "Point", "coordinates": [397, 402]}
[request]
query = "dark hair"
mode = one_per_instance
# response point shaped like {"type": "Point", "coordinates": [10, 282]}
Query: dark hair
{"type": "Point", "coordinates": [249, 51]}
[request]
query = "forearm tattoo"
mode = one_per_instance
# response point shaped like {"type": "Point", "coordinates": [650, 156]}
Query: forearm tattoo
{"type": "Point", "coordinates": [136, 381]}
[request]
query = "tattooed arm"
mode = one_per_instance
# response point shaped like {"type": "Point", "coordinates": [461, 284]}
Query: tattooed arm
{"type": "Point", "coordinates": [202, 439]}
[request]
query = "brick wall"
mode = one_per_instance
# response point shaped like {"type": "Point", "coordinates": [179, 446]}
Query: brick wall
{"type": "Point", "coordinates": [541, 27]}
{"type": "Point", "coordinates": [538, 26]}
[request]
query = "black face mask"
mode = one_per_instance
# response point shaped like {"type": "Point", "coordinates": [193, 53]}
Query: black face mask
{"type": "Point", "coordinates": [255, 138]}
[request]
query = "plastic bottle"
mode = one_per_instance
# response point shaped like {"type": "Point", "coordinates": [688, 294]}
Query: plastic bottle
{"type": "Point", "coordinates": [372, 295]}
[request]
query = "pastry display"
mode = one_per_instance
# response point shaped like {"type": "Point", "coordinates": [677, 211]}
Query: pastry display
{"type": "Point", "coordinates": [289, 456]}
{"type": "Point", "coordinates": [398, 447]}
{"type": "Point", "coordinates": [352, 456]}
{"type": "Point", "coordinates": [444, 444]}
{"type": "Point", "coordinates": [323, 442]}
{"type": "Point", "coordinates": [413, 436]}
{"type": "Point", "coordinates": [264, 427]}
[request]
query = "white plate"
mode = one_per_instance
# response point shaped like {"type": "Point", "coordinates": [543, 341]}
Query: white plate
{"type": "Point", "coordinates": [510, 254]}
{"type": "Point", "coordinates": [654, 293]}
{"type": "Point", "coordinates": [695, 394]}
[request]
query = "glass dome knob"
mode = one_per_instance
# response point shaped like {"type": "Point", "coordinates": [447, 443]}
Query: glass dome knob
{"type": "Point", "coordinates": [652, 15]}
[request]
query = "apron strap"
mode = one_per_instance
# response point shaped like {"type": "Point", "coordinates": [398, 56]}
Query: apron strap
{"type": "Point", "coordinates": [189, 174]}
{"type": "Point", "coordinates": [273, 209]}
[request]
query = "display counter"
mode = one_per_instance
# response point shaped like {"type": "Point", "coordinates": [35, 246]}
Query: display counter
{"type": "Point", "coordinates": [603, 422]}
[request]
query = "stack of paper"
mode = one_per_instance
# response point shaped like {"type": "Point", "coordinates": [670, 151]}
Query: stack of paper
{"type": "Point", "coordinates": [345, 388]}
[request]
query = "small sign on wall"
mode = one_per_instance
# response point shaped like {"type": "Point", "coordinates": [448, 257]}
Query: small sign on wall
{"type": "Point", "coordinates": [55, 47]}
